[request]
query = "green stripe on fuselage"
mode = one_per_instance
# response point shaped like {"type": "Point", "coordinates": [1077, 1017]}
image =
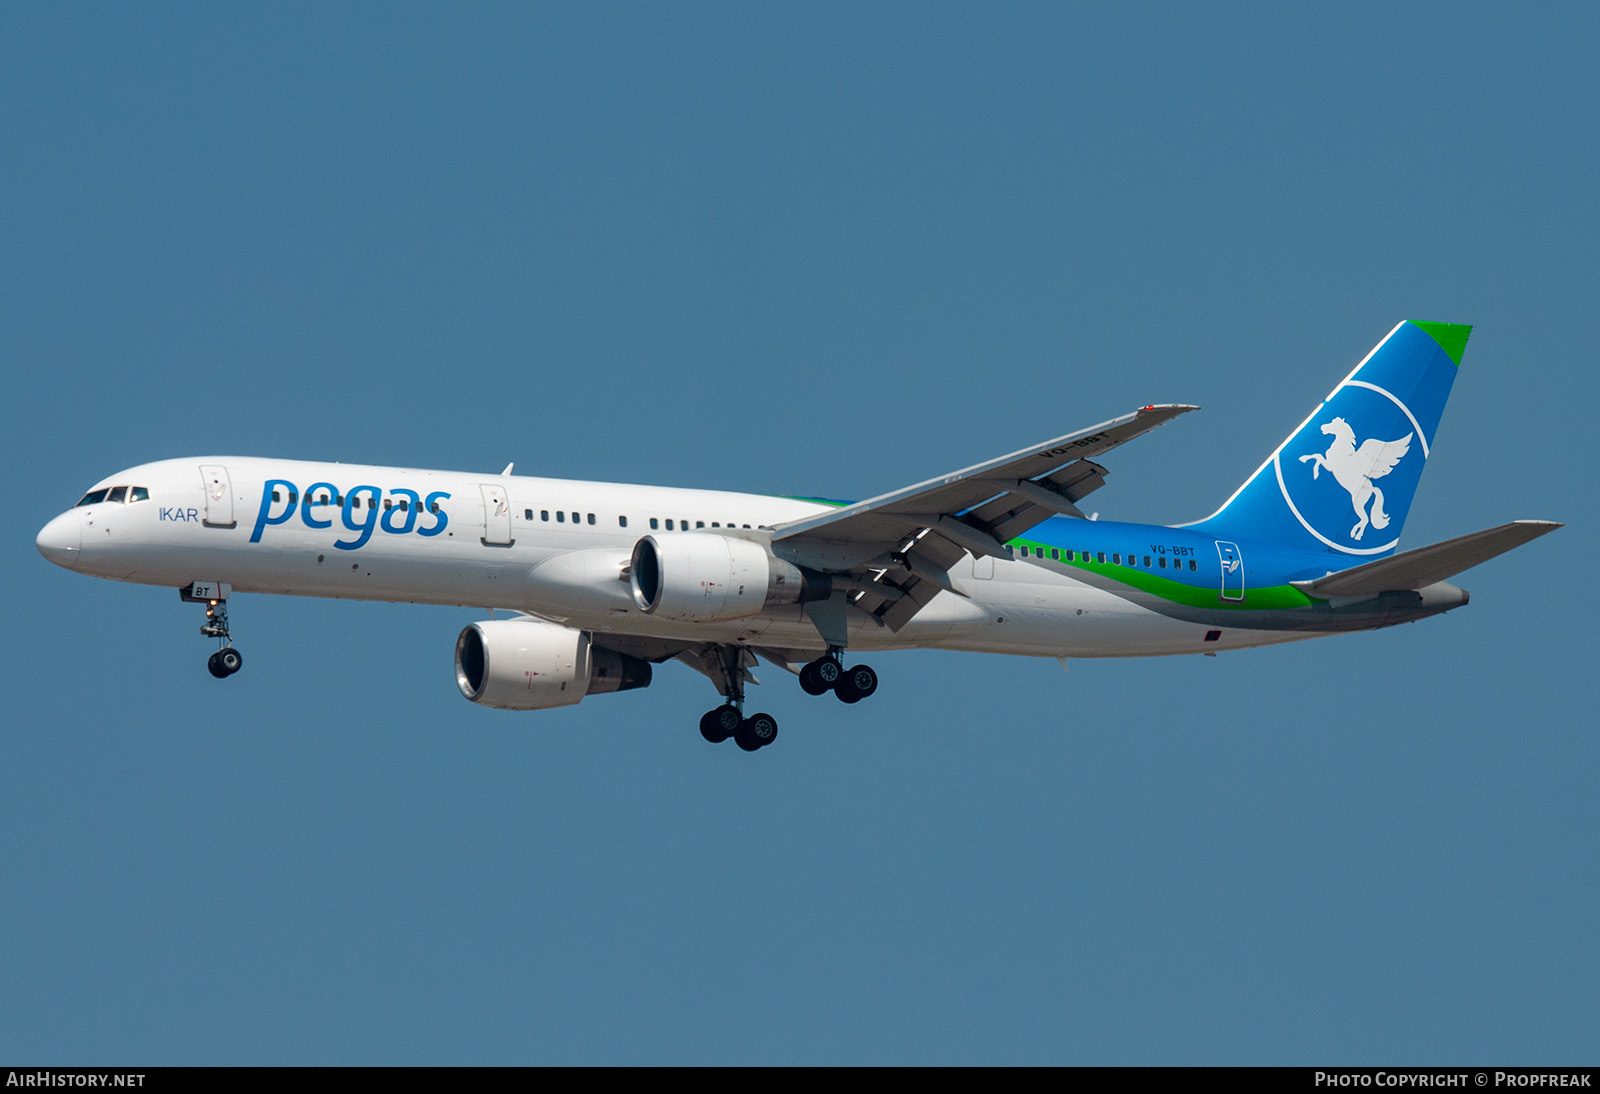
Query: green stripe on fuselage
{"type": "Point", "coordinates": [1266, 597]}
{"type": "Point", "coordinates": [820, 501]}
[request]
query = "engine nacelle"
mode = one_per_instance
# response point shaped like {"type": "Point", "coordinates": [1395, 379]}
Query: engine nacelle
{"type": "Point", "coordinates": [700, 577]}
{"type": "Point", "coordinates": [528, 664]}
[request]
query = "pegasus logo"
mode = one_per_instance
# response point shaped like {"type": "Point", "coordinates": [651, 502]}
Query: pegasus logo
{"type": "Point", "coordinates": [1355, 468]}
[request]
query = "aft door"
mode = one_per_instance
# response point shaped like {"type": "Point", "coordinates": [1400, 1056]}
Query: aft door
{"type": "Point", "coordinates": [496, 516]}
{"type": "Point", "coordinates": [1232, 570]}
{"type": "Point", "coordinates": [219, 496]}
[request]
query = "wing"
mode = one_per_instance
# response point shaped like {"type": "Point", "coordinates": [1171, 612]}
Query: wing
{"type": "Point", "coordinates": [1379, 457]}
{"type": "Point", "coordinates": [892, 554]}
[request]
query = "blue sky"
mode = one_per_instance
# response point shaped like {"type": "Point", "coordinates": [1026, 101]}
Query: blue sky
{"type": "Point", "coordinates": [825, 250]}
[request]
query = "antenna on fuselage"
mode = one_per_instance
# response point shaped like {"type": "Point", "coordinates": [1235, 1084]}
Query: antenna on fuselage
{"type": "Point", "coordinates": [507, 471]}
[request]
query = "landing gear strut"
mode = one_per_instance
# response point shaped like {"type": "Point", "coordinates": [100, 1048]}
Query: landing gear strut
{"type": "Point", "coordinates": [214, 595]}
{"type": "Point", "coordinates": [827, 673]}
{"type": "Point", "coordinates": [728, 720]}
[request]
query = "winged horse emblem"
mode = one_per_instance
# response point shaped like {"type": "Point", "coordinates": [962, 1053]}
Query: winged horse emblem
{"type": "Point", "coordinates": [1355, 468]}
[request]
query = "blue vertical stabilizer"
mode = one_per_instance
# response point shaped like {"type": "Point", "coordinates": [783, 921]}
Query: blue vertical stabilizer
{"type": "Point", "coordinates": [1344, 480]}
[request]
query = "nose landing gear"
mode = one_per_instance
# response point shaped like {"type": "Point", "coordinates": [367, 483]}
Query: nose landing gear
{"type": "Point", "coordinates": [214, 595]}
{"type": "Point", "coordinates": [225, 662]}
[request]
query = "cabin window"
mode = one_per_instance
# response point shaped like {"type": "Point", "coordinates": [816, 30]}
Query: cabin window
{"type": "Point", "coordinates": [699, 524]}
{"type": "Point", "coordinates": [577, 518]}
{"type": "Point", "coordinates": [591, 518]}
{"type": "Point", "coordinates": [561, 516]}
{"type": "Point", "coordinates": [544, 514]}
{"type": "Point", "coordinates": [714, 524]}
{"type": "Point", "coordinates": [622, 522]}
{"type": "Point", "coordinates": [1055, 554]}
{"type": "Point", "coordinates": [1116, 560]}
{"type": "Point", "coordinates": [1146, 562]}
{"type": "Point", "coordinates": [654, 524]}
{"type": "Point", "coordinates": [527, 514]}
{"type": "Point", "coordinates": [1163, 562]}
{"type": "Point", "coordinates": [1100, 556]}
{"type": "Point", "coordinates": [1191, 564]}
{"type": "Point", "coordinates": [669, 524]}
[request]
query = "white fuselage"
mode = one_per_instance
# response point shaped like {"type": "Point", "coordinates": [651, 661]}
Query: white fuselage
{"type": "Point", "coordinates": [550, 547]}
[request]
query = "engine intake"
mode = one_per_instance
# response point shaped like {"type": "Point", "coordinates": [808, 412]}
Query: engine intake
{"type": "Point", "coordinates": [528, 664]}
{"type": "Point", "coordinates": [704, 578]}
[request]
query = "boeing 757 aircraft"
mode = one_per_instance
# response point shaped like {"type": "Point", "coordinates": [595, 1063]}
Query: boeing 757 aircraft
{"type": "Point", "coordinates": [604, 580]}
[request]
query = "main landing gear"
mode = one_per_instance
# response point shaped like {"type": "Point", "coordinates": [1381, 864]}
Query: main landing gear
{"type": "Point", "coordinates": [826, 673]}
{"type": "Point", "coordinates": [756, 731]}
{"type": "Point", "coordinates": [728, 720]}
{"type": "Point", "coordinates": [214, 595]}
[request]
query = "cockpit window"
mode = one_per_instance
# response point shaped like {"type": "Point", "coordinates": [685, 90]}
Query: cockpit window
{"type": "Point", "coordinates": [115, 494]}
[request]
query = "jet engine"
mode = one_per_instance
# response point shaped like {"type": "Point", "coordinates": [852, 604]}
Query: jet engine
{"type": "Point", "coordinates": [528, 664]}
{"type": "Point", "coordinates": [705, 578]}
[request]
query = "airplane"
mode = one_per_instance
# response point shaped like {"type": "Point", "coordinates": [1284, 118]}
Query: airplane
{"type": "Point", "coordinates": [603, 580]}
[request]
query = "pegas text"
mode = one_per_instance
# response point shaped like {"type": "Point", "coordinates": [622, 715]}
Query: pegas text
{"type": "Point", "coordinates": [361, 509]}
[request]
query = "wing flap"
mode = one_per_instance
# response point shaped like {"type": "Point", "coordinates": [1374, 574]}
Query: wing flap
{"type": "Point", "coordinates": [898, 548]}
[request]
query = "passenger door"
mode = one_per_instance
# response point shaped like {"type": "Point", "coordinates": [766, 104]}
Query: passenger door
{"type": "Point", "coordinates": [1232, 570]}
{"type": "Point", "coordinates": [496, 516]}
{"type": "Point", "coordinates": [219, 497]}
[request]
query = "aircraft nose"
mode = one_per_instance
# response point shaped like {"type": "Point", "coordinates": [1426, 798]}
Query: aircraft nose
{"type": "Point", "coordinates": [61, 541]}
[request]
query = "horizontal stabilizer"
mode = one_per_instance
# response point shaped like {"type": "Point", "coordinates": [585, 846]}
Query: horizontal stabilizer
{"type": "Point", "coordinates": [1419, 568]}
